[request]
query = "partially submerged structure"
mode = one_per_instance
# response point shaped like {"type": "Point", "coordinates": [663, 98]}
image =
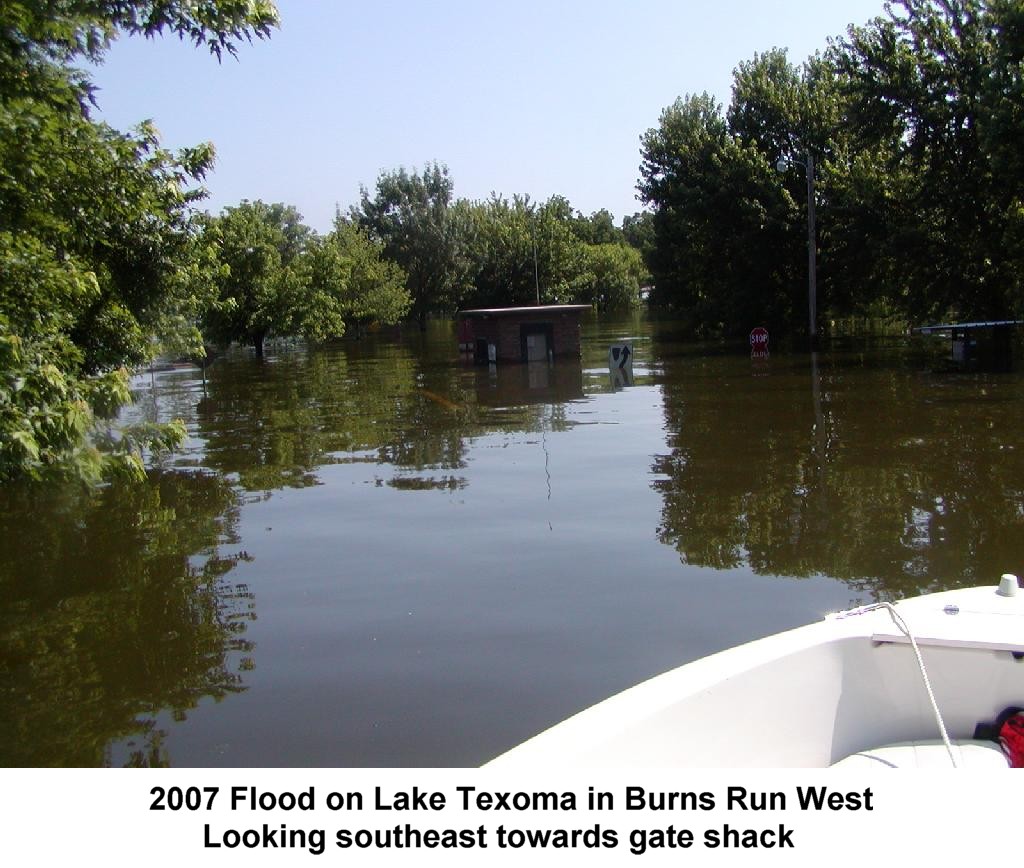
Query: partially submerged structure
{"type": "Point", "coordinates": [979, 346]}
{"type": "Point", "coordinates": [521, 334]}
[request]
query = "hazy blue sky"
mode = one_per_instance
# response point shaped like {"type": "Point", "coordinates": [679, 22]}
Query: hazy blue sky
{"type": "Point", "coordinates": [526, 97]}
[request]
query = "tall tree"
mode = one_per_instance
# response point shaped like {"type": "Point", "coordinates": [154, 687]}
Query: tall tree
{"type": "Point", "coordinates": [598, 228]}
{"type": "Point", "coordinates": [278, 278]}
{"type": "Point", "coordinates": [414, 216]}
{"type": "Point", "coordinates": [613, 275]}
{"type": "Point", "coordinates": [350, 276]}
{"type": "Point", "coordinates": [505, 263]}
{"type": "Point", "coordinates": [561, 253]}
{"type": "Point", "coordinates": [935, 87]}
{"type": "Point", "coordinates": [1000, 126]}
{"type": "Point", "coordinates": [524, 253]}
{"type": "Point", "coordinates": [264, 280]}
{"type": "Point", "coordinates": [724, 258]}
{"type": "Point", "coordinates": [638, 230]}
{"type": "Point", "coordinates": [98, 249]}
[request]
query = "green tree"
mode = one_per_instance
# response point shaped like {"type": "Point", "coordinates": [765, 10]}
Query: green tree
{"type": "Point", "coordinates": [264, 279]}
{"type": "Point", "coordinates": [638, 230]}
{"type": "Point", "coordinates": [99, 254]}
{"type": "Point", "coordinates": [505, 267]}
{"type": "Point", "coordinates": [598, 228]}
{"type": "Point", "coordinates": [783, 109]}
{"type": "Point", "coordinates": [1000, 125]}
{"type": "Point", "coordinates": [724, 257]}
{"type": "Point", "coordinates": [352, 280]}
{"type": "Point", "coordinates": [278, 278]}
{"type": "Point", "coordinates": [730, 232]}
{"type": "Point", "coordinates": [796, 113]}
{"type": "Point", "coordinates": [524, 252]}
{"type": "Point", "coordinates": [614, 272]}
{"type": "Point", "coordinates": [413, 215]}
{"type": "Point", "coordinates": [561, 253]}
{"type": "Point", "coordinates": [935, 90]}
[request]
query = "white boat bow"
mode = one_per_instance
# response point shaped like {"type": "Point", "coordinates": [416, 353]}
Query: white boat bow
{"type": "Point", "coordinates": [831, 691]}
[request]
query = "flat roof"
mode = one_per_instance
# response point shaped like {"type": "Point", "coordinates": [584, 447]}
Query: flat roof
{"type": "Point", "coordinates": [927, 330]}
{"type": "Point", "coordinates": [510, 311]}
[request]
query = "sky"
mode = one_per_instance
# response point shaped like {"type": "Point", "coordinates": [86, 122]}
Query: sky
{"type": "Point", "coordinates": [530, 98]}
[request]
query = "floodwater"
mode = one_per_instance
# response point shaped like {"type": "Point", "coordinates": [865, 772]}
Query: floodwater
{"type": "Point", "coordinates": [377, 555]}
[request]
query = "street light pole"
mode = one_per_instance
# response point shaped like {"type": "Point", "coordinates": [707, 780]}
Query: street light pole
{"type": "Point", "coordinates": [812, 256]}
{"type": "Point", "coordinates": [812, 247]}
{"type": "Point", "coordinates": [536, 270]}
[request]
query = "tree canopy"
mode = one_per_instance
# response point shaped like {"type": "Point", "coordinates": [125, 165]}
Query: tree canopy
{"type": "Point", "coordinates": [413, 216]}
{"type": "Point", "coordinates": [264, 270]}
{"type": "Point", "coordinates": [523, 252]}
{"type": "Point", "coordinates": [935, 89]}
{"type": "Point", "coordinates": [98, 253]}
{"type": "Point", "coordinates": [912, 123]}
{"type": "Point", "coordinates": [277, 277]}
{"type": "Point", "coordinates": [723, 253]}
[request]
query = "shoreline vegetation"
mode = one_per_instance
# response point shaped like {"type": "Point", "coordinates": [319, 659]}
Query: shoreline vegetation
{"type": "Point", "coordinates": [910, 122]}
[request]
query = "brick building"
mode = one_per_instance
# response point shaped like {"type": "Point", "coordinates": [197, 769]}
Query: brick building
{"type": "Point", "coordinates": [521, 334]}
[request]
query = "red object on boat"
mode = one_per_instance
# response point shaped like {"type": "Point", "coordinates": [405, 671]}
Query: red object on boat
{"type": "Point", "coordinates": [1011, 737]}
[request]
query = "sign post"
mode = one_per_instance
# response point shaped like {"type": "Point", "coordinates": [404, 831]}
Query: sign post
{"type": "Point", "coordinates": [620, 365]}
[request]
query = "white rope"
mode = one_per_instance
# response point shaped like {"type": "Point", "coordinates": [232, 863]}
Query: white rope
{"type": "Point", "coordinates": [902, 625]}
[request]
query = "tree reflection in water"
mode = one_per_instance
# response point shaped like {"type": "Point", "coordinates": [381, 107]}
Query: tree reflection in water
{"type": "Point", "coordinates": [887, 476]}
{"type": "Point", "coordinates": [119, 612]}
{"type": "Point", "coordinates": [272, 425]}
{"type": "Point", "coordinates": [116, 605]}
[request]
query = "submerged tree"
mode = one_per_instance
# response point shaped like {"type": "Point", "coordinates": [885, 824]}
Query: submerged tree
{"type": "Point", "coordinates": [264, 274]}
{"type": "Point", "coordinates": [279, 278]}
{"type": "Point", "coordinates": [416, 219]}
{"type": "Point", "coordinates": [723, 256]}
{"type": "Point", "coordinates": [352, 281]}
{"type": "Point", "coordinates": [613, 275]}
{"type": "Point", "coordinates": [98, 249]}
{"type": "Point", "coordinates": [503, 252]}
{"type": "Point", "coordinates": [913, 123]}
{"type": "Point", "coordinates": [638, 230]}
{"type": "Point", "coordinates": [524, 253]}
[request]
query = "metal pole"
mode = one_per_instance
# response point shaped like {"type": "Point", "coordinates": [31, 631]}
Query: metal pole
{"type": "Point", "coordinates": [536, 271]}
{"type": "Point", "coordinates": [812, 256]}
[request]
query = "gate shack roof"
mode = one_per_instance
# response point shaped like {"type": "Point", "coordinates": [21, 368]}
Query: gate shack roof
{"type": "Point", "coordinates": [984, 324]}
{"type": "Point", "coordinates": [529, 311]}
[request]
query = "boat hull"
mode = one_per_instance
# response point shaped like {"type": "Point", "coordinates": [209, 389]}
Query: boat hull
{"type": "Point", "coordinates": [810, 696]}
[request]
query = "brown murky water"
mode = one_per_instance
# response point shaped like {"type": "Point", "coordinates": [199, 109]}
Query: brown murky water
{"type": "Point", "coordinates": [374, 555]}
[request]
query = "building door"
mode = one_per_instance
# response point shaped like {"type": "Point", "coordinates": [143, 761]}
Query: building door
{"type": "Point", "coordinates": [537, 347]}
{"type": "Point", "coordinates": [536, 342]}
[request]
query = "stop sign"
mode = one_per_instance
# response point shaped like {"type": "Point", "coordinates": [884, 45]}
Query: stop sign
{"type": "Point", "coordinates": [759, 338]}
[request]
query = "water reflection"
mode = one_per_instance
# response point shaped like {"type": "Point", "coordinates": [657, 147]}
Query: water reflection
{"type": "Point", "coordinates": [446, 558]}
{"type": "Point", "coordinates": [116, 604]}
{"type": "Point", "coordinates": [885, 475]}
{"type": "Point", "coordinates": [274, 424]}
{"type": "Point", "coordinates": [530, 383]}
